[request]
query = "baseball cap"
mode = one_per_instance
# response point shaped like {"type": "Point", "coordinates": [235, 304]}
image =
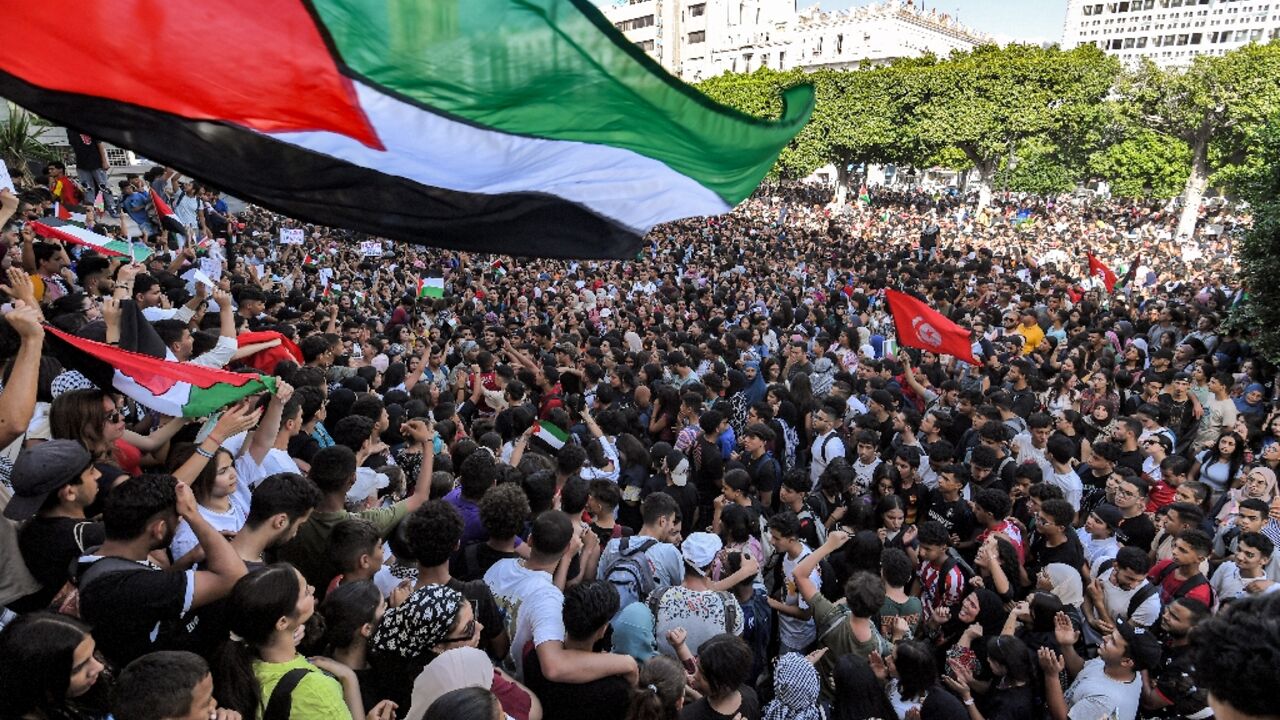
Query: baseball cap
{"type": "Point", "coordinates": [1143, 647]}
{"type": "Point", "coordinates": [43, 469]}
{"type": "Point", "coordinates": [1109, 514]}
{"type": "Point", "coordinates": [700, 549]}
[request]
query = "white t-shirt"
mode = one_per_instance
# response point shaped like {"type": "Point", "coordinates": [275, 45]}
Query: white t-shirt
{"type": "Point", "coordinates": [184, 539]}
{"type": "Point", "coordinates": [1094, 695]}
{"type": "Point", "coordinates": [1069, 481]}
{"type": "Point", "coordinates": [794, 632]}
{"type": "Point", "coordinates": [532, 605]}
{"type": "Point", "coordinates": [1145, 615]}
{"type": "Point", "coordinates": [826, 448]}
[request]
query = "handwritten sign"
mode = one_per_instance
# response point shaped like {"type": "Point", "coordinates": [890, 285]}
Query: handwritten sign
{"type": "Point", "coordinates": [371, 248]}
{"type": "Point", "coordinates": [292, 236]}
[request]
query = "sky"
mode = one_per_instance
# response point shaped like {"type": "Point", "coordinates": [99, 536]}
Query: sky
{"type": "Point", "coordinates": [1033, 21]}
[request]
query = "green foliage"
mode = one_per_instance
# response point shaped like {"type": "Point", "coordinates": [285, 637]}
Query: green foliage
{"type": "Point", "coordinates": [1032, 118]}
{"type": "Point", "coordinates": [20, 140]}
{"type": "Point", "coordinates": [1037, 169]}
{"type": "Point", "coordinates": [1145, 165]}
{"type": "Point", "coordinates": [1259, 251]}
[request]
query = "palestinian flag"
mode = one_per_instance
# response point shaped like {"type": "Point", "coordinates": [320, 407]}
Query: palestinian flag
{"type": "Point", "coordinates": [308, 260]}
{"type": "Point", "coordinates": [519, 127]}
{"type": "Point", "coordinates": [864, 197]}
{"type": "Point", "coordinates": [62, 212]}
{"type": "Point", "coordinates": [99, 203]}
{"type": "Point", "coordinates": [432, 287]}
{"type": "Point", "coordinates": [80, 235]}
{"type": "Point", "coordinates": [168, 220]}
{"type": "Point", "coordinates": [176, 389]}
{"type": "Point", "coordinates": [551, 434]}
{"type": "Point", "coordinates": [327, 292]}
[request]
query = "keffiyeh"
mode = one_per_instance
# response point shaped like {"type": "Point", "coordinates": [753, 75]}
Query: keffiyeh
{"type": "Point", "coordinates": [419, 623]}
{"type": "Point", "coordinates": [795, 687]}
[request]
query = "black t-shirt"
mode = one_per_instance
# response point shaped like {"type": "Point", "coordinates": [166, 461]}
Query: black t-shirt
{"type": "Point", "coordinates": [702, 710]}
{"type": "Point", "coordinates": [603, 699]}
{"type": "Point", "coordinates": [956, 517]}
{"type": "Point", "coordinates": [1040, 555]}
{"type": "Point", "coordinates": [49, 546]}
{"type": "Point", "coordinates": [607, 534]}
{"type": "Point", "coordinates": [687, 498]}
{"type": "Point", "coordinates": [129, 603]}
{"type": "Point", "coordinates": [86, 149]}
{"type": "Point", "coordinates": [1013, 703]}
{"type": "Point", "coordinates": [474, 560]}
{"type": "Point", "coordinates": [486, 608]}
{"type": "Point", "coordinates": [1137, 532]}
{"type": "Point", "coordinates": [1132, 459]}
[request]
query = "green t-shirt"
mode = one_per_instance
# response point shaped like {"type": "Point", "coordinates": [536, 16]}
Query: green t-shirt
{"type": "Point", "coordinates": [890, 610]}
{"type": "Point", "coordinates": [317, 696]}
{"type": "Point", "coordinates": [840, 640]}
{"type": "Point", "coordinates": [308, 550]}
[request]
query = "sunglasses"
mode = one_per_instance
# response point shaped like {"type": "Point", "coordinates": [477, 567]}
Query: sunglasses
{"type": "Point", "coordinates": [114, 416]}
{"type": "Point", "coordinates": [468, 630]}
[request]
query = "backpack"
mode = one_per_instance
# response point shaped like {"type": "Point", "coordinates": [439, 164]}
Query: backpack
{"type": "Point", "coordinates": [1191, 583]}
{"type": "Point", "coordinates": [631, 572]}
{"type": "Point", "coordinates": [807, 513]}
{"type": "Point", "coordinates": [791, 440]}
{"type": "Point", "coordinates": [469, 563]}
{"type": "Point", "coordinates": [822, 449]}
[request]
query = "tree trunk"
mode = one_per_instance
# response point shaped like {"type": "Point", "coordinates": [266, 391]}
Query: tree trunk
{"type": "Point", "coordinates": [988, 170]}
{"type": "Point", "coordinates": [842, 184]}
{"type": "Point", "coordinates": [1197, 181]}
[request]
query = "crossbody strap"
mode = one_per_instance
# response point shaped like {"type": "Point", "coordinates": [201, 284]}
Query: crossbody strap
{"type": "Point", "coordinates": [281, 702]}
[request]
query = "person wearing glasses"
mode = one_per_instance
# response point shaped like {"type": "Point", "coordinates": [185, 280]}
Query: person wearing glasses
{"type": "Point", "coordinates": [94, 419]}
{"type": "Point", "coordinates": [1136, 528]}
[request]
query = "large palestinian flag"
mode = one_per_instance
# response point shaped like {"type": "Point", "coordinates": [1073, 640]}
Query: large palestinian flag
{"type": "Point", "coordinates": [171, 388]}
{"type": "Point", "coordinates": [70, 232]}
{"type": "Point", "coordinates": [527, 127]}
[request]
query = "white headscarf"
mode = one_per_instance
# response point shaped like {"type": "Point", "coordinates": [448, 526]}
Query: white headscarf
{"type": "Point", "coordinates": [454, 669]}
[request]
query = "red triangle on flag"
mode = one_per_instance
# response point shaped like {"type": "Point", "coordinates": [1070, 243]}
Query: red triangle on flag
{"type": "Point", "coordinates": [920, 326]}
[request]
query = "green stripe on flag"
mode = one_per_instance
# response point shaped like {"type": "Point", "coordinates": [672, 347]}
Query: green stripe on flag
{"type": "Point", "coordinates": [557, 70]}
{"type": "Point", "coordinates": [551, 434]}
{"type": "Point", "coordinates": [204, 401]}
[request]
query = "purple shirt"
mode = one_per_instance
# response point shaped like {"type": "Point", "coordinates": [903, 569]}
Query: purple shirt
{"type": "Point", "coordinates": [472, 529]}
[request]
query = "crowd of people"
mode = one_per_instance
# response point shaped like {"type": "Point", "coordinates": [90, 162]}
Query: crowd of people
{"type": "Point", "coordinates": [707, 482]}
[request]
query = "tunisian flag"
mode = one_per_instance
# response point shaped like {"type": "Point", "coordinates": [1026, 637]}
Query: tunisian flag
{"type": "Point", "coordinates": [1102, 272]}
{"type": "Point", "coordinates": [920, 326]}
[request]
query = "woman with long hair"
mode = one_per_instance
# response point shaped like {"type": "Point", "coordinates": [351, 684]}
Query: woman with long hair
{"type": "Point", "coordinates": [1011, 695]}
{"type": "Point", "coordinates": [633, 461]}
{"type": "Point", "coordinates": [859, 695]}
{"type": "Point", "coordinates": [266, 612]}
{"type": "Point", "coordinates": [95, 419]}
{"type": "Point", "coordinates": [344, 623]}
{"type": "Point", "coordinates": [216, 488]}
{"type": "Point", "coordinates": [49, 670]}
{"type": "Point", "coordinates": [1220, 465]}
{"type": "Point", "coordinates": [1100, 390]}
{"type": "Point", "coordinates": [660, 693]}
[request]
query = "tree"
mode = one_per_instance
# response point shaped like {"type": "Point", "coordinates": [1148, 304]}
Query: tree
{"type": "Point", "coordinates": [989, 100]}
{"type": "Point", "coordinates": [1146, 164]}
{"type": "Point", "coordinates": [1259, 251]}
{"type": "Point", "coordinates": [1035, 168]}
{"type": "Point", "coordinates": [759, 94]}
{"type": "Point", "coordinates": [1217, 106]}
{"type": "Point", "coordinates": [20, 142]}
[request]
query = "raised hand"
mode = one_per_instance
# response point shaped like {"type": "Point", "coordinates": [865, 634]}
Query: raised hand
{"type": "Point", "coordinates": [1063, 631]}
{"type": "Point", "coordinates": [1050, 662]}
{"type": "Point", "coordinates": [677, 636]}
{"type": "Point", "coordinates": [25, 320]}
{"type": "Point", "coordinates": [20, 286]}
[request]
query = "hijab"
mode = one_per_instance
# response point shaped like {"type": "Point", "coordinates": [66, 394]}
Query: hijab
{"type": "Point", "coordinates": [1067, 586]}
{"type": "Point", "coordinates": [454, 669]}
{"type": "Point", "coordinates": [417, 624]}
{"type": "Point", "coordinates": [634, 633]}
{"type": "Point", "coordinates": [757, 388]}
{"type": "Point", "coordinates": [1231, 507]}
{"type": "Point", "coordinates": [795, 687]}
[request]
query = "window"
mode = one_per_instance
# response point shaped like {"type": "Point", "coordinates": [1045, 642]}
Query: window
{"type": "Point", "coordinates": [697, 10]}
{"type": "Point", "coordinates": [698, 37]}
{"type": "Point", "coordinates": [1195, 38]}
{"type": "Point", "coordinates": [645, 45]}
{"type": "Point", "coordinates": [1142, 42]}
{"type": "Point", "coordinates": [839, 44]}
{"type": "Point", "coordinates": [782, 58]}
{"type": "Point", "coordinates": [643, 21]}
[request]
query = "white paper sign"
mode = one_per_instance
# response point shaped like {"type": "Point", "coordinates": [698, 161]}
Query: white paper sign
{"type": "Point", "coordinates": [6, 182]}
{"type": "Point", "coordinates": [211, 267]}
{"type": "Point", "coordinates": [199, 276]}
{"type": "Point", "coordinates": [371, 248]}
{"type": "Point", "coordinates": [292, 236]}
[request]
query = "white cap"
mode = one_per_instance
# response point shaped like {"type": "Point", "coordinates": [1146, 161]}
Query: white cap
{"type": "Point", "coordinates": [367, 483]}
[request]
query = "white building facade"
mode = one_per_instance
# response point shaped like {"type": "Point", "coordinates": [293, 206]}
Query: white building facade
{"type": "Point", "coordinates": [699, 39]}
{"type": "Point", "coordinates": [1169, 32]}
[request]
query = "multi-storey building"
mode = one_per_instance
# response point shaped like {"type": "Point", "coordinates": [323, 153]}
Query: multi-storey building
{"type": "Point", "coordinates": [698, 39]}
{"type": "Point", "coordinates": [1169, 32]}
